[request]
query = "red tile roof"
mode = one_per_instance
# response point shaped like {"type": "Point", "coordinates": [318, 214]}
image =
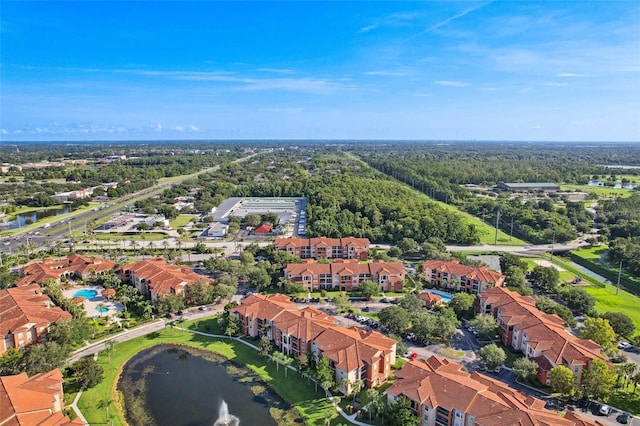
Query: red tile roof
{"type": "Point", "coordinates": [438, 382]}
{"type": "Point", "coordinates": [162, 277]}
{"type": "Point", "coordinates": [545, 332]}
{"type": "Point", "coordinates": [35, 400]}
{"type": "Point", "coordinates": [76, 264]}
{"type": "Point", "coordinates": [22, 308]}
{"type": "Point", "coordinates": [346, 267]}
{"type": "Point", "coordinates": [454, 267]}
{"type": "Point", "coordinates": [265, 228]}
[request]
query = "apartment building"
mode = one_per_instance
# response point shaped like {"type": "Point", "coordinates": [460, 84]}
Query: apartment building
{"type": "Point", "coordinates": [323, 247]}
{"type": "Point", "coordinates": [345, 274]}
{"type": "Point", "coordinates": [156, 278]}
{"type": "Point", "coordinates": [539, 336]}
{"type": "Point", "coordinates": [35, 400]}
{"type": "Point", "coordinates": [353, 353]}
{"type": "Point", "coordinates": [72, 266]}
{"type": "Point", "coordinates": [443, 394]}
{"type": "Point", "coordinates": [26, 314]}
{"type": "Point", "coordinates": [456, 276]}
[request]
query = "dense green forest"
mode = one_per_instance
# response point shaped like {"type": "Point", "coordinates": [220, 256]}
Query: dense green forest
{"type": "Point", "coordinates": [620, 221]}
{"type": "Point", "coordinates": [442, 171]}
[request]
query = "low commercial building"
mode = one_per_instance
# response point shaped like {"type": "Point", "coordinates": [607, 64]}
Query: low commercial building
{"type": "Point", "coordinates": [443, 394]}
{"type": "Point", "coordinates": [345, 274]}
{"type": "Point", "coordinates": [36, 400]}
{"type": "Point", "coordinates": [323, 247]}
{"type": "Point", "coordinates": [529, 187]}
{"type": "Point", "coordinates": [539, 336]}
{"type": "Point", "coordinates": [74, 265]}
{"type": "Point", "coordinates": [354, 354]}
{"type": "Point", "coordinates": [155, 278]}
{"type": "Point", "coordinates": [454, 275]}
{"type": "Point", "coordinates": [26, 314]}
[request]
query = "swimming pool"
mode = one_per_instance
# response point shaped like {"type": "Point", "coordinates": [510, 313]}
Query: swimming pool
{"type": "Point", "coordinates": [102, 309]}
{"type": "Point", "coordinates": [446, 297]}
{"type": "Point", "coordinates": [87, 294]}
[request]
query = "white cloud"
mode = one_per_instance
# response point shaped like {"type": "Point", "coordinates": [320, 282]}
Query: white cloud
{"type": "Point", "coordinates": [277, 70]}
{"type": "Point", "coordinates": [193, 128]}
{"type": "Point", "coordinates": [553, 84]}
{"type": "Point", "coordinates": [178, 128]}
{"type": "Point", "coordinates": [459, 15]}
{"type": "Point", "coordinates": [5, 132]}
{"type": "Point", "coordinates": [386, 73]}
{"type": "Point", "coordinates": [158, 127]}
{"type": "Point", "coordinates": [422, 95]}
{"type": "Point", "coordinates": [451, 83]}
{"type": "Point", "coordinates": [569, 75]}
{"type": "Point", "coordinates": [537, 126]}
{"type": "Point", "coordinates": [368, 28]}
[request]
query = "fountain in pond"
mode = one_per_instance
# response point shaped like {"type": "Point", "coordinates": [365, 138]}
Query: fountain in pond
{"type": "Point", "coordinates": [224, 418]}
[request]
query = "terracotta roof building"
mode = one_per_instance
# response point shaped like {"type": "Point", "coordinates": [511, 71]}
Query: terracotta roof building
{"type": "Point", "coordinates": [35, 400]}
{"type": "Point", "coordinates": [353, 353]}
{"type": "Point", "coordinates": [155, 278]}
{"type": "Point", "coordinates": [454, 275]}
{"type": "Point", "coordinates": [74, 265]}
{"type": "Point", "coordinates": [25, 316]}
{"type": "Point", "coordinates": [429, 300]}
{"type": "Point", "coordinates": [345, 274]}
{"type": "Point", "coordinates": [442, 393]}
{"type": "Point", "coordinates": [538, 335]}
{"type": "Point", "coordinates": [322, 247]}
{"type": "Point", "coordinates": [262, 229]}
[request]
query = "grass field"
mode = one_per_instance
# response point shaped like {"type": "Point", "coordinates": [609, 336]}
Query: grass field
{"type": "Point", "coordinates": [182, 220]}
{"type": "Point", "coordinates": [131, 236]}
{"type": "Point", "coordinates": [485, 231]}
{"type": "Point", "coordinates": [312, 405]}
{"type": "Point", "coordinates": [601, 191]}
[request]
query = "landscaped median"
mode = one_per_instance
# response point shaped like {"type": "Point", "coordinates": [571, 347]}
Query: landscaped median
{"type": "Point", "coordinates": [99, 402]}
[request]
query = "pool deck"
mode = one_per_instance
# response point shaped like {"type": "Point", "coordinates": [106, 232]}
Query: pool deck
{"type": "Point", "coordinates": [91, 305]}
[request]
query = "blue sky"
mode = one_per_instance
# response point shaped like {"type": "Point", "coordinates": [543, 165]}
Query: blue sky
{"type": "Point", "coordinates": [447, 70]}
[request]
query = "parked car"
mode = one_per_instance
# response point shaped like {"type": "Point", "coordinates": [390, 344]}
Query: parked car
{"type": "Point", "coordinates": [413, 356]}
{"type": "Point", "coordinates": [604, 410]}
{"type": "Point", "coordinates": [623, 418]}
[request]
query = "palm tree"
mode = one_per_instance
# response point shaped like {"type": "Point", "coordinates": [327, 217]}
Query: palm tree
{"type": "Point", "coordinates": [357, 387]}
{"type": "Point", "coordinates": [104, 403]}
{"type": "Point", "coordinates": [286, 361]}
{"type": "Point", "coordinates": [101, 306]}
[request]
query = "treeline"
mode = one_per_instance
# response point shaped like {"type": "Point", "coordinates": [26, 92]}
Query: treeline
{"type": "Point", "coordinates": [619, 220]}
{"type": "Point", "coordinates": [441, 171]}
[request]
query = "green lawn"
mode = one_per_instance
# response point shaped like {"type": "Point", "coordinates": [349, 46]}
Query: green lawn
{"type": "Point", "coordinates": [130, 236]}
{"type": "Point", "coordinates": [608, 301]}
{"type": "Point", "coordinates": [485, 231]}
{"type": "Point", "coordinates": [601, 191]}
{"type": "Point", "coordinates": [311, 405]}
{"type": "Point", "coordinates": [182, 220]}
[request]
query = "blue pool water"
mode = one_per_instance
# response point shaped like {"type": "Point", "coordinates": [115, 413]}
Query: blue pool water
{"type": "Point", "coordinates": [446, 297]}
{"type": "Point", "coordinates": [87, 294]}
{"type": "Point", "coordinates": [102, 309]}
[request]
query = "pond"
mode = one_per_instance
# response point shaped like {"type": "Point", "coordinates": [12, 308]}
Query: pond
{"type": "Point", "coordinates": [175, 385]}
{"type": "Point", "coordinates": [24, 219]}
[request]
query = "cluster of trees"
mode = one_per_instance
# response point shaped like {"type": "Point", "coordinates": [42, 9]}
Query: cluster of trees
{"type": "Point", "coordinates": [620, 222]}
{"type": "Point", "coordinates": [410, 317]}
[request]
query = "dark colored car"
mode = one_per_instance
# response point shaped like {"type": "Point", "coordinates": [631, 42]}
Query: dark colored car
{"type": "Point", "coordinates": [623, 418]}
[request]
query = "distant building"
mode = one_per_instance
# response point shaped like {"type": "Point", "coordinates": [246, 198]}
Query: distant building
{"type": "Point", "coordinates": [26, 314]}
{"type": "Point", "coordinates": [323, 247]}
{"type": "Point", "coordinates": [217, 230]}
{"type": "Point", "coordinates": [429, 300]}
{"type": "Point", "coordinates": [539, 336]}
{"type": "Point", "coordinates": [442, 393]}
{"type": "Point", "coordinates": [263, 229]}
{"type": "Point", "coordinates": [529, 187]}
{"type": "Point", "coordinates": [345, 274]}
{"type": "Point", "coordinates": [74, 265]}
{"type": "Point", "coordinates": [156, 278]}
{"type": "Point", "coordinates": [452, 274]}
{"type": "Point", "coordinates": [36, 400]}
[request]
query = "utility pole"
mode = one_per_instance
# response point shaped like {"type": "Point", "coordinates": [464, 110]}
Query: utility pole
{"type": "Point", "coordinates": [619, 274]}
{"type": "Point", "coordinates": [511, 234]}
{"type": "Point", "coordinates": [495, 241]}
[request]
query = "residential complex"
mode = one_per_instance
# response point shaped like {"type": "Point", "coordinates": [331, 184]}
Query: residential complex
{"type": "Point", "coordinates": [25, 316]}
{"type": "Point", "coordinates": [35, 400]}
{"type": "Point", "coordinates": [74, 265]}
{"type": "Point", "coordinates": [452, 274]}
{"type": "Point", "coordinates": [345, 274]}
{"type": "Point", "coordinates": [540, 336]}
{"type": "Point", "coordinates": [353, 353]}
{"type": "Point", "coordinates": [155, 278]}
{"type": "Point", "coordinates": [443, 394]}
{"type": "Point", "coordinates": [327, 248]}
